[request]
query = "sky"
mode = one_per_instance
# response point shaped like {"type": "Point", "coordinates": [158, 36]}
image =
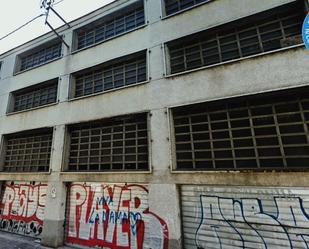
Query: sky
{"type": "Point", "coordinates": [16, 13]}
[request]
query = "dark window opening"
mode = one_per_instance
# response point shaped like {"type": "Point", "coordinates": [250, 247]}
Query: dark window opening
{"type": "Point", "coordinates": [40, 57]}
{"type": "Point", "coordinates": [267, 31]}
{"type": "Point", "coordinates": [116, 24]}
{"type": "Point", "coordinates": [125, 71]}
{"type": "Point", "coordinates": [28, 151]}
{"type": "Point", "coordinates": [174, 6]}
{"type": "Point", "coordinates": [35, 96]}
{"type": "Point", "coordinates": [261, 132]}
{"type": "Point", "coordinates": [118, 144]}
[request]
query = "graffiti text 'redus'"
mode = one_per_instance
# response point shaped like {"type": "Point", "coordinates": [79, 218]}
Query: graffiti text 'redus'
{"type": "Point", "coordinates": [249, 225]}
{"type": "Point", "coordinates": [22, 208]}
{"type": "Point", "coordinates": [113, 216]}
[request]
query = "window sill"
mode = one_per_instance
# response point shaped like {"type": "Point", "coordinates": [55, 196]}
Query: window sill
{"type": "Point", "coordinates": [231, 172]}
{"type": "Point", "coordinates": [31, 109]}
{"type": "Point", "coordinates": [108, 91]}
{"type": "Point", "coordinates": [108, 39]}
{"type": "Point", "coordinates": [25, 173]}
{"type": "Point", "coordinates": [184, 10]}
{"type": "Point", "coordinates": [105, 172]}
{"type": "Point", "coordinates": [35, 67]}
{"type": "Point", "coordinates": [235, 60]}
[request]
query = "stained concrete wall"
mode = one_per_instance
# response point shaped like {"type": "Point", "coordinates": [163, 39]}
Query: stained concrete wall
{"type": "Point", "coordinates": [266, 72]}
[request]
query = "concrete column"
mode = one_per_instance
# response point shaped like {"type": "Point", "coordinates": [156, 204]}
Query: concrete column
{"type": "Point", "coordinates": [163, 193]}
{"type": "Point", "coordinates": [153, 11]}
{"type": "Point", "coordinates": [164, 202]}
{"type": "Point", "coordinates": [160, 146]}
{"type": "Point", "coordinates": [156, 63]}
{"type": "Point", "coordinates": [64, 82]}
{"type": "Point", "coordinates": [54, 216]}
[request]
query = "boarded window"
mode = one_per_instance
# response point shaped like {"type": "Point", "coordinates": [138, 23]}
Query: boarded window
{"type": "Point", "coordinates": [262, 132]}
{"type": "Point", "coordinates": [113, 74]}
{"type": "Point", "coordinates": [34, 96]}
{"type": "Point", "coordinates": [119, 144]}
{"type": "Point", "coordinates": [174, 6]}
{"type": "Point", "coordinates": [40, 57]}
{"type": "Point", "coordinates": [28, 151]}
{"type": "Point", "coordinates": [252, 35]}
{"type": "Point", "coordinates": [111, 26]}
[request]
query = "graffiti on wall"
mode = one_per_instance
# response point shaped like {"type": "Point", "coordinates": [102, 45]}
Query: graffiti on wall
{"type": "Point", "coordinates": [247, 223]}
{"type": "Point", "coordinates": [114, 216]}
{"type": "Point", "coordinates": [22, 208]}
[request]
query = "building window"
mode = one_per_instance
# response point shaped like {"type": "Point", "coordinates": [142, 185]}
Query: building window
{"type": "Point", "coordinates": [27, 151]}
{"type": "Point", "coordinates": [112, 25]}
{"type": "Point", "coordinates": [261, 132]}
{"type": "Point", "coordinates": [35, 96]}
{"type": "Point", "coordinates": [39, 56]}
{"type": "Point", "coordinates": [256, 34]}
{"type": "Point", "coordinates": [174, 6]}
{"type": "Point", "coordinates": [118, 144]}
{"type": "Point", "coordinates": [110, 75]}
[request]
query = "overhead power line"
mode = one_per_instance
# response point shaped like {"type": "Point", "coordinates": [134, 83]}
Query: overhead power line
{"type": "Point", "coordinates": [30, 21]}
{"type": "Point", "coordinates": [20, 27]}
{"type": "Point", "coordinates": [47, 5]}
{"type": "Point", "coordinates": [57, 2]}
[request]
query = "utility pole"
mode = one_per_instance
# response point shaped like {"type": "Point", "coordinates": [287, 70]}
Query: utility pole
{"type": "Point", "coordinates": [47, 6]}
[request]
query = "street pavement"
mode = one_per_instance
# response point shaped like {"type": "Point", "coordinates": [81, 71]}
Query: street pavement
{"type": "Point", "coordinates": [12, 241]}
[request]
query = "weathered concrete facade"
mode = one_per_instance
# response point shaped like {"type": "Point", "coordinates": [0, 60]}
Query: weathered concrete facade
{"type": "Point", "coordinates": [160, 189]}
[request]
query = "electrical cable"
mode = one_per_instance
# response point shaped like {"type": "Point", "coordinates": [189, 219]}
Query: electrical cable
{"type": "Point", "coordinates": [57, 2]}
{"type": "Point", "coordinates": [20, 27]}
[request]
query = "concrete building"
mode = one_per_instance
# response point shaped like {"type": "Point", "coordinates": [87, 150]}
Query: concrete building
{"type": "Point", "coordinates": [164, 124]}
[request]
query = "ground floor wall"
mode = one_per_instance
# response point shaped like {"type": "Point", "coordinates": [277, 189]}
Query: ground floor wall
{"type": "Point", "coordinates": [244, 217]}
{"type": "Point", "coordinates": [22, 207]}
{"type": "Point", "coordinates": [102, 214]}
{"type": "Point", "coordinates": [113, 215]}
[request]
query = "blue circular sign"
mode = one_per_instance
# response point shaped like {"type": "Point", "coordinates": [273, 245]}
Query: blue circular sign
{"type": "Point", "coordinates": [305, 31]}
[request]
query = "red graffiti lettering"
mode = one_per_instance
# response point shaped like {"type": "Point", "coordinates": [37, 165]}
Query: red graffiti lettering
{"type": "Point", "coordinates": [114, 216]}
{"type": "Point", "coordinates": [23, 202]}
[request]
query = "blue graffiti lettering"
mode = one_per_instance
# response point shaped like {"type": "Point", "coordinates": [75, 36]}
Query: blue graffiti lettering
{"type": "Point", "coordinates": [114, 217]}
{"type": "Point", "coordinates": [249, 223]}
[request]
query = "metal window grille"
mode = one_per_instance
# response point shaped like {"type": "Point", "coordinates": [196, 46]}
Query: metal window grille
{"type": "Point", "coordinates": [28, 152]}
{"type": "Point", "coordinates": [126, 72]}
{"type": "Point", "coordinates": [117, 26]}
{"type": "Point", "coordinates": [258, 35]}
{"type": "Point", "coordinates": [35, 96]}
{"type": "Point", "coordinates": [109, 145]}
{"type": "Point", "coordinates": [253, 133]}
{"type": "Point", "coordinates": [40, 57]}
{"type": "Point", "coordinates": [174, 6]}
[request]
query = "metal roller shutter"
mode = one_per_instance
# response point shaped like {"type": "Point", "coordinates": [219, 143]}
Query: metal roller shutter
{"type": "Point", "coordinates": [113, 216]}
{"type": "Point", "coordinates": [246, 217]}
{"type": "Point", "coordinates": [22, 207]}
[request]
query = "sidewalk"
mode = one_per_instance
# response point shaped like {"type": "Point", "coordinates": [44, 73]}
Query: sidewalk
{"type": "Point", "coordinates": [13, 241]}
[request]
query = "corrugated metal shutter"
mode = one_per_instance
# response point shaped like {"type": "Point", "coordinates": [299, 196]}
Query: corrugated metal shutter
{"type": "Point", "coordinates": [22, 208]}
{"type": "Point", "coordinates": [113, 216]}
{"type": "Point", "coordinates": [245, 217]}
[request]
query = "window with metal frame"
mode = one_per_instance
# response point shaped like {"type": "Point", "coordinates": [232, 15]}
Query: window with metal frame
{"type": "Point", "coordinates": [261, 132]}
{"type": "Point", "coordinates": [117, 144]}
{"type": "Point", "coordinates": [40, 57]}
{"type": "Point", "coordinates": [124, 71]}
{"type": "Point", "coordinates": [111, 26]}
{"type": "Point", "coordinates": [174, 6]}
{"type": "Point", "coordinates": [35, 96]}
{"type": "Point", "coordinates": [256, 34]}
{"type": "Point", "coordinates": [28, 151]}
